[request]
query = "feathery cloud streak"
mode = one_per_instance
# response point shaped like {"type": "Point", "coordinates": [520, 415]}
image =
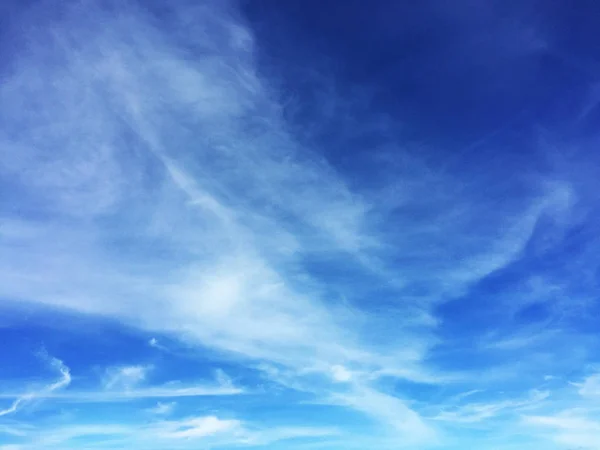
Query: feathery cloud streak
{"type": "Point", "coordinates": [163, 185]}
{"type": "Point", "coordinates": [63, 381]}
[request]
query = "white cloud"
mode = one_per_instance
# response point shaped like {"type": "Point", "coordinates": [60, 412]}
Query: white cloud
{"type": "Point", "coordinates": [162, 408]}
{"type": "Point", "coordinates": [209, 171]}
{"type": "Point", "coordinates": [463, 395]}
{"type": "Point", "coordinates": [63, 381]}
{"type": "Point", "coordinates": [391, 411]}
{"type": "Point", "coordinates": [210, 101]}
{"type": "Point", "coordinates": [125, 377]}
{"type": "Point", "coordinates": [171, 390]}
{"type": "Point", "coordinates": [197, 427]}
{"type": "Point", "coordinates": [590, 387]}
{"type": "Point", "coordinates": [14, 430]}
{"type": "Point", "coordinates": [571, 427]}
{"type": "Point", "coordinates": [121, 384]}
{"type": "Point", "coordinates": [223, 379]}
{"type": "Point", "coordinates": [340, 373]}
{"type": "Point", "coordinates": [183, 433]}
{"type": "Point", "coordinates": [269, 436]}
{"type": "Point", "coordinates": [479, 412]}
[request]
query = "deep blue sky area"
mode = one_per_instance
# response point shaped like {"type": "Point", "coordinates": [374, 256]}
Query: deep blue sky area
{"type": "Point", "coordinates": [334, 225]}
{"type": "Point", "coordinates": [450, 73]}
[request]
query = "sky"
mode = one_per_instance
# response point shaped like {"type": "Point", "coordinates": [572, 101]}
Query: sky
{"type": "Point", "coordinates": [299, 225]}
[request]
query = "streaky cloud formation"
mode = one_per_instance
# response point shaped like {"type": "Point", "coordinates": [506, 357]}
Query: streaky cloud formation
{"type": "Point", "coordinates": [290, 225]}
{"type": "Point", "coordinates": [163, 408]}
{"type": "Point", "coordinates": [125, 377]}
{"type": "Point", "coordinates": [63, 381]}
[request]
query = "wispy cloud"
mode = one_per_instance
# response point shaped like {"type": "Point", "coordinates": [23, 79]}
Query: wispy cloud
{"type": "Point", "coordinates": [125, 377]}
{"type": "Point", "coordinates": [183, 433]}
{"type": "Point", "coordinates": [162, 408]}
{"type": "Point", "coordinates": [153, 342]}
{"type": "Point", "coordinates": [64, 380]}
{"type": "Point", "coordinates": [121, 384]}
{"type": "Point", "coordinates": [572, 428]}
{"type": "Point", "coordinates": [197, 427]}
{"type": "Point", "coordinates": [177, 198]}
{"type": "Point", "coordinates": [590, 386]}
{"type": "Point", "coordinates": [173, 390]}
{"type": "Point", "coordinates": [478, 412]}
{"type": "Point", "coordinates": [391, 411]}
{"type": "Point", "coordinates": [292, 202]}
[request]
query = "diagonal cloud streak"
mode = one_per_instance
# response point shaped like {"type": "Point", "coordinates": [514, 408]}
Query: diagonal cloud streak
{"type": "Point", "coordinates": [63, 381]}
{"type": "Point", "coordinates": [176, 198]}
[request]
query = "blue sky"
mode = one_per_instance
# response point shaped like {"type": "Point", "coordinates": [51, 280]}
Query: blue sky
{"type": "Point", "coordinates": [299, 225]}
